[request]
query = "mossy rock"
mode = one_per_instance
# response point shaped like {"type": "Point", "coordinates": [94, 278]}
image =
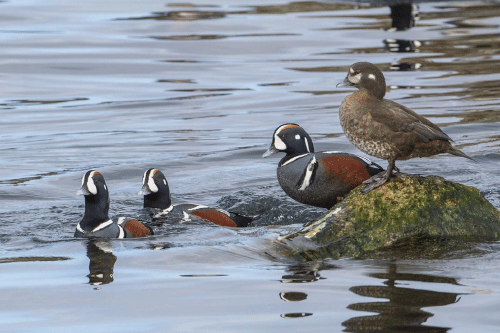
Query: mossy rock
{"type": "Point", "coordinates": [410, 216]}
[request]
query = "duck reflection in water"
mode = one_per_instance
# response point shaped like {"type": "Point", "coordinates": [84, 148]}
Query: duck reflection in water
{"type": "Point", "coordinates": [403, 310]}
{"type": "Point", "coordinates": [302, 273]}
{"type": "Point", "coordinates": [403, 16]}
{"type": "Point", "coordinates": [102, 262]}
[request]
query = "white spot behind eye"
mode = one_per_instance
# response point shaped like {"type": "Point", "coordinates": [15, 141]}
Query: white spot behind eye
{"type": "Point", "coordinates": [297, 137]}
{"type": "Point", "coordinates": [372, 77]}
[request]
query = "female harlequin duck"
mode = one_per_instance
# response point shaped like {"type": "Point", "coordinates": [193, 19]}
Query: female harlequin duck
{"type": "Point", "coordinates": [386, 129]}
{"type": "Point", "coordinates": [157, 195]}
{"type": "Point", "coordinates": [316, 179]}
{"type": "Point", "coordinates": [96, 222]}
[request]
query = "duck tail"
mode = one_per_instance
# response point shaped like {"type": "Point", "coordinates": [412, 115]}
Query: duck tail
{"type": "Point", "coordinates": [243, 220]}
{"type": "Point", "coordinates": [456, 152]}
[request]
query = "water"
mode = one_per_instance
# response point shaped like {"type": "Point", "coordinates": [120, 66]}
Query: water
{"type": "Point", "coordinates": [196, 90]}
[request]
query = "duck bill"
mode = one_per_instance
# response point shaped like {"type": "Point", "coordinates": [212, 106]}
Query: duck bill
{"type": "Point", "coordinates": [272, 150]}
{"type": "Point", "coordinates": [345, 83]}
{"type": "Point", "coordinates": [144, 190]}
{"type": "Point", "coordinates": [83, 191]}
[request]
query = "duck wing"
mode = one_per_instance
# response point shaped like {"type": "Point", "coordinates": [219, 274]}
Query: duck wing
{"type": "Point", "coordinates": [399, 118]}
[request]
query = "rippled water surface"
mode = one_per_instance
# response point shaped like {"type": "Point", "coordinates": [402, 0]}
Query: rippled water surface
{"type": "Point", "coordinates": [196, 90]}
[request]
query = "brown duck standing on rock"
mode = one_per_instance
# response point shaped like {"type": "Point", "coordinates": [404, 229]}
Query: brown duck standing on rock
{"type": "Point", "coordinates": [386, 129]}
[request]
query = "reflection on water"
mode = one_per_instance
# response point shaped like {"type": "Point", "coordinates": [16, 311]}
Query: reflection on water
{"type": "Point", "coordinates": [301, 273]}
{"type": "Point", "coordinates": [304, 273]}
{"type": "Point", "coordinates": [296, 315]}
{"type": "Point", "coordinates": [31, 259]}
{"type": "Point", "coordinates": [403, 45]}
{"type": "Point", "coordinates": [102, 261]}
{"type": "Point", "coordinates": [293, 296]}
{"type": "Point", "coordinates": [403, 310]}
{"type": "Point", "coordinates": [403, 16]}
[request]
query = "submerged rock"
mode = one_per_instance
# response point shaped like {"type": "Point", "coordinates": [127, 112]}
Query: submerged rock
{"type": "Point", "coordinates": [411, 216]}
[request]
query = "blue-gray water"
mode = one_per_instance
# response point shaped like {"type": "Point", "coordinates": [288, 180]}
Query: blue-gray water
{"type": "Point", "coordinates": [196, 90]}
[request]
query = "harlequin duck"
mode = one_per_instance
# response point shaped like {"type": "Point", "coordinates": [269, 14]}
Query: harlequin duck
{"type": "Point", "coordinates": [316, 179]}
{"type": "Point", "coordinates": [96, 222]}
{"type": "Point", "coordinates": [386, 129]}
{"type": "Point", "coordinates": [157, 195]}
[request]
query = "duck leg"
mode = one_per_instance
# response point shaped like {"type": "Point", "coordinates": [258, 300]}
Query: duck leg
{"type": "Point", "coordinates": [381, 178]}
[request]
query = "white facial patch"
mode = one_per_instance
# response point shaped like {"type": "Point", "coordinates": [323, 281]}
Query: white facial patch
{"type": "Point", "coordinates": [351, 70]}
{"type": "Point", "coordinates": [372, 77]}
{"type": "Point", "coordinates": [90, 183]}
{"type": "Point", "coordinates": [355, 79]}
{"type": "Point", "coordinates": [278, 143]}
{"type": "Point", "coordinates": [151, 183]}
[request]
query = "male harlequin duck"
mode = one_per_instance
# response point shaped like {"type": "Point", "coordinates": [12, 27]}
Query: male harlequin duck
{"type": "Point", "coordinates": [96, 222]}
{"type": "Point", "coordinates": [316, 179]}
{"type": "Point", "coordinates": [386, 129]}
{"type": "Point", "coordinates": [157, 195]}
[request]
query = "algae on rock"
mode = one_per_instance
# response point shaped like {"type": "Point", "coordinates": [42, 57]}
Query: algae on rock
{"type": "Point", "coordinates": [409, 211]}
